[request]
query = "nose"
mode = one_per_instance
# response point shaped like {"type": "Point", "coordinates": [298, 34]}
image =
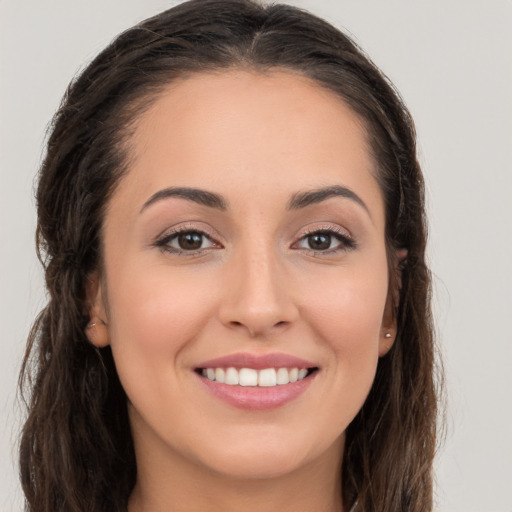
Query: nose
{"type": "Point", "coordinates": [258, 298]}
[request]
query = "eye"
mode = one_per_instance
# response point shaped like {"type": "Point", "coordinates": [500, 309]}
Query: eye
{"type": "Point", "coordinates": [325, 240]}
{"type": "Point", "coordinates": [186, 241]}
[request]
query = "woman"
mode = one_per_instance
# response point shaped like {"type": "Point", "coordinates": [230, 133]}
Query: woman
{"type": "Point", "coordinates": [232, 225]}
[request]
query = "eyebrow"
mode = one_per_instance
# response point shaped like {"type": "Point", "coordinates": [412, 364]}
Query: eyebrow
{"type": "Point", "coordinates": [298, 200]}
{"type": "Point", "coordinates": [196, 195]}
{"type": "Point", "coordinates": [309, 197]}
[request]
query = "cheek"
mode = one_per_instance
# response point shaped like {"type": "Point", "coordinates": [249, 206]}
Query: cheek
{"type": "Point", "coordinates": [350, 316]}
{"type": "Point", "coordinates": [154, 314]}
{"type": "Point", "coordinates": [351, 303]}
{"type": "Point", "coordinates": [346, 311]}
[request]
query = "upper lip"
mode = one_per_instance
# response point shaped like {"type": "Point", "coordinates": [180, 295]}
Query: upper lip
{"type": "Point", "coordinates": [257, 361]}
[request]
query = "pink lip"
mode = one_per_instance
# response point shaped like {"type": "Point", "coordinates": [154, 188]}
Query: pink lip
{"type": "Point", "coordinates": [258, 398]}
{"type": "Point", "coordinates": [255, 397]}
{"type": "Point", "coordinates": [258, 362]}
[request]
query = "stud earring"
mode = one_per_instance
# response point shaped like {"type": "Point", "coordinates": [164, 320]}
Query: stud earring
{"type": "Point", "coordinates": [387, 335]}
{"type": "Point", "coordinates": [97, 333]}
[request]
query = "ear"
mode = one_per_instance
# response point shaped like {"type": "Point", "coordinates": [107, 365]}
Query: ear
{"type": "Point", "coordinates": [389, 320]}
{"type": "Point", "coordinates": [97, 329]}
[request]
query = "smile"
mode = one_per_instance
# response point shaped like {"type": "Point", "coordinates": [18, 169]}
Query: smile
{"type": "Point", "coordinates": [268, 377]}
{"type": "Point", "coordinates": [256, 382]}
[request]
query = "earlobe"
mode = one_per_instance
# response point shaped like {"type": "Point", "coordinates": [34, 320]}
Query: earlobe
{"type": "Point", "coordinates": [97, 329]}
{"type": "Point", "coordinates": [388, 329]}
{"type": "Point", "coordinates": [401, 255]}
{"type": "Point", "coordinates": [386, 342]}
{"type": "Point", "coordinates": [97, 333]}
{"type": "Point", "coordinates": [389, 325]}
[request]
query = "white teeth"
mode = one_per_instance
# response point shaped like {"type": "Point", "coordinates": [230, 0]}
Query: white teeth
{"type": "Point", "coordinates": [231, 377]}
{"type": "Point", "coordinates": [302, 373]}
{"type": "Point", "coordinates": [248, 377]}
{"type": "Point", "coordinates": [220, 375]}
{"type": "Point", "coordinates": [283, 376]}
{"type": "Point", "coordinates": [269, 377]}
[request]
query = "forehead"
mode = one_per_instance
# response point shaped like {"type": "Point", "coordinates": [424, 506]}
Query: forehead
{"type": "Point", "coordinates": [249, 131]}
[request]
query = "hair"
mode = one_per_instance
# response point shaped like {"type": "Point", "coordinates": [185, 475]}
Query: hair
{"type": "Point", "coordinates": [76, 449]}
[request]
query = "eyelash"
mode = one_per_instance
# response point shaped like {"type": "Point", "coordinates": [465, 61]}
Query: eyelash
{"type": "Point", "coordinates": [346, 242]}
{"type": "Point", "coordinates": [164, 242]}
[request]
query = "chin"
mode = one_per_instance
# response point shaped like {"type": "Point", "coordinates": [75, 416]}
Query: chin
{"type": "Point", "coordinates": [262, 458]}
{"type": "Point", "coordinates": [252, 466]}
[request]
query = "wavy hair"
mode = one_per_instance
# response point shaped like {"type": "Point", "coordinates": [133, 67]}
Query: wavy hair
{"type": "Point", "coordinates": [76, 449]}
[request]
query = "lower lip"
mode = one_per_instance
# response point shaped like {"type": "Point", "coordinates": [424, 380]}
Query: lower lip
{"type": "Point", "coordinates": [255, 397]}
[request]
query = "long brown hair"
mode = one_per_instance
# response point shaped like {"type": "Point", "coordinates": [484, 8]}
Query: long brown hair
{"type": "Point", "coordinates": [76, 450]}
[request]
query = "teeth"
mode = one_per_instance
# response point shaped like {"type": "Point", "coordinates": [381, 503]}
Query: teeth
{"type": "Point", "coordinates": [269, 377]}
{"type": "Point", "coordinates": [248, 377]}
{"type": "Point", "coordinates": [283, 376]}
{"type": "Point", "coordinates": [231, 377]}
{"type": "Point", "coordinates": [220, 375]}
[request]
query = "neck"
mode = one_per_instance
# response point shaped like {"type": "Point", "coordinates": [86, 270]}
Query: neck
{"type": "Point", "coordinates": [171, 483]}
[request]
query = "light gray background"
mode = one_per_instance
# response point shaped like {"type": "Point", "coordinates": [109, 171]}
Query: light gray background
{"type": "Point", "coordinates": [452, 62]}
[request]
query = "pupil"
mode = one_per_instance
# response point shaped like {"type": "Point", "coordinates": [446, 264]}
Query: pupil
{"type": "Point", "coordinates": [190, 241]}
{"type": "Point", "coordinates": [319, 241]}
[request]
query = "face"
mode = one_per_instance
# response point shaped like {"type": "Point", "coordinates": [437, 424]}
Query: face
{"type": "Point", "coordinates": [245, 243]}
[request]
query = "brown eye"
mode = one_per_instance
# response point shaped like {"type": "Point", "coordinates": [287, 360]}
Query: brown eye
{"type": "Point", "coordinates": [186, 241]}
{"type": "Point", "coordinates": [327, 241]}
{"type": "Point", "coordinates": [190, 241]}
{"type": "Point", "coordinates": [319, 241]}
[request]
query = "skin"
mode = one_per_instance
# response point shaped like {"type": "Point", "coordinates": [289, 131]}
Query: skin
{"type": "Point", "coordinates": [255, 286]}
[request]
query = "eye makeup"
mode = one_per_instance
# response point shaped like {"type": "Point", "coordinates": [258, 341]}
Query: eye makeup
{"type": "Point", "coordinates": [325, 240]}
{"type": "Point", "coordinates": [187, 240]}
{"type": "Point", "coordinates": [190, 240]}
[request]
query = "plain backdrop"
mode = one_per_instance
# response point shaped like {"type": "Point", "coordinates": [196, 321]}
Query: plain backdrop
{"type": "Point", "coordinates": [452, 62]}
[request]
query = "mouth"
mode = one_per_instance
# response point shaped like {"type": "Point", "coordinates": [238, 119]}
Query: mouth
{"type": "Point", "coordinates": [252, 377]}
{"type": "Point", "coordinates": [257, 381]}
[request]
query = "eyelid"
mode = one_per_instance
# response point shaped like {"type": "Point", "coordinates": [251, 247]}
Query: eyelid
{"type": "Point", "coordinates": [165, 236]}
{"type": "Point", "coordinates": [336, 231]}
{"type": "Point", "coordinates": [315, 228]}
